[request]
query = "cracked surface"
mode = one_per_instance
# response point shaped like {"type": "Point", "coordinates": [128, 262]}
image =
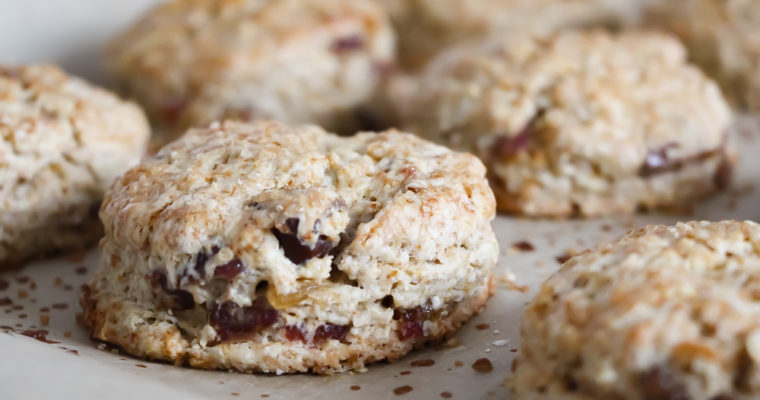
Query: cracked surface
{"type": "Point", "coordinates": [723, 37]}
{"type": "Point", "coordinates": [666, 312]}
{"type": "Point", "coordinates": [579, 123]}
{"type": "Point", "coordinates": [301, 250]}
{"type": "Point", "coordinates": [425, 27]}
{"type": "Point", "coordinates": [192, 62]}
{"type": "Point", "coordinates": [62, 142]}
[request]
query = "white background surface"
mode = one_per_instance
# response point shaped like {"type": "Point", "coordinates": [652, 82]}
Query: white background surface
{"type": "Point", "coordinates": [69, 32]}
{"type": "Point", "coordinates": [72, 33]}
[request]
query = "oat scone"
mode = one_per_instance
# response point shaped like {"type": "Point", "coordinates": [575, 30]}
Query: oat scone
{"type": "Point", "coordinates": [579, 123]}
{"type": "Point", "coordinates": [191, 62]}
{"type": "Point", "coordinates": [262, 247]}
{"type": "Point", "coordinates": [62, 143]}
{"type": "Point", "coordinates": [666, 312]}
{"type": "Point", "coordinates": [723, 37]}
{"type": "Point", "coordinates": [425, 27]}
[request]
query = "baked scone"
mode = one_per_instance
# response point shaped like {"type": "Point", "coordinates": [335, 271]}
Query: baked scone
{"type": "Point", "coordinates": [579, 123]}
{"type": "Point", "coordinates": [425, 27]}
{"type": "Point", "coordinates": [666, 312]}
{"type": "Point", "coordinates": [723, 37]}
{"type": "Point", "coordinates": [62, 143]}
{"type": "Point", "coordinates": [262, 247]}
{"type": "Point", "coordinates": [192, 62]}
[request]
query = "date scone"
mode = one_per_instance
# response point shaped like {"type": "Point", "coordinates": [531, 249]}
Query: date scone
{"type": "Point", "coordinates": [425, 27]}
{"type": "Point", "coordinates": [579, 123]}
{"type": "Point", "coordinates": [723, 37]}
{"type": "Point", "coordinates": [666, 312]}
{"type": "Point", "coordinates": [192, 62]}
{"type": "Point", "coordinates": [62, 143]}
{"type": "Point", "coordinates": [265, 248]}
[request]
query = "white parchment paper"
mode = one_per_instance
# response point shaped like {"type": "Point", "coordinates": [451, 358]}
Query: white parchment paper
{"type": "Point", "coordinates": [43, 295]}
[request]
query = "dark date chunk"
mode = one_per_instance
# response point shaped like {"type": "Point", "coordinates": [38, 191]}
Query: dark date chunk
{"type": "Point", "coordinates": [659, 161]}
{"type": "Point", "coordinates": [411, 320]}
{"type": "Point", "coordinates": [230, 270]}
{"type": "Point", "coordinates": [507, 146]}
{"type": "Point", "coordinates": [202, 259]}
{"type": "Point", "coordinates": [347, 44]}
{"type": "Point", "coordinates": [181, 300]}
{"type": "Point", "coordinates": [293, 333]}
{"type": "Point", "coordinates": [296, 250]}
{"type": "Point", "coordinates": [657, 384]}
{"type": "Point", "coordinates": [329, 331]}
{"type": "Point", "coordinates": [234, 323]}
{"type": "Point", "coordinates": [172, 111]}
{"type": "Point", "coordinates": [511, 145]}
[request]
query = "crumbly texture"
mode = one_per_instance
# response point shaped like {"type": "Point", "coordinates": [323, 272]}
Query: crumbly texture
{"type": "Point", "coordinates": [261, 247]}
{"type": "Point", "coordinates": [62, 142]}
{"type": "Point", "coordinates": [723, 37]}
{"type": "Point", "coordinates": [579, 123]}
{"type": "Point", "coordinates": [426, 27]}
{"type": "Point", "coordinates": [192, 62]}
{"type": "Point", "coordinates": [666, 312]}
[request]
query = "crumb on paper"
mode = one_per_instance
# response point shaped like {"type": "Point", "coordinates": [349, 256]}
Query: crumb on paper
{"type": "Point", "coordinates": [500, 343]}
{"type": "Point", "coordinates": [523, 246]}
{"type": "Point", "coordinates": [508, 281]}
{"type": "Point", "coordinates": [453, 342]}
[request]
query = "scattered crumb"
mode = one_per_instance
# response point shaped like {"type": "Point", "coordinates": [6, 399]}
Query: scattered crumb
{"type": "Point", "coordinates": [508, 281]}
{"type": "Point", "coordinates": [500, 343]}
{"type": "Point", "coordinates": [482, 365]}
{"type": "Point", "coordinates": [402, 390]}
{"type": "Point", "coordinates": [45, 320]}
{"type": "Point", "coordinates": [523, 246]}
{"type": "Point", "coordinates": [67, 334]}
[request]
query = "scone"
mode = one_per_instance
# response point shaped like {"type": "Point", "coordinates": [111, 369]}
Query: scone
{"type": "Point", "coordinates": [263, 247]}
{"type": "Point", "coordinates": [192, 62]}
{"type": "Point", "coordinates": [582, 124]}
{"type": "Point", "coordinates": [425, 27]}
{"type": "Point", "coordinates": [62, 143]}
{"type": "Point", "coordinates": [723, 37]}
{"type": "Point", "coordinates": [666, 312]}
